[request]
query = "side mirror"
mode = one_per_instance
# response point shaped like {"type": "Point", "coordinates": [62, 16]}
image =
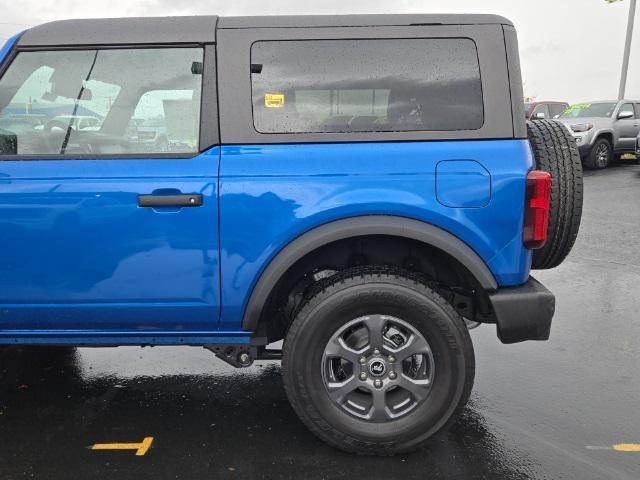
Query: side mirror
{"type": "Point", "coordinates": [625, 115]}
{"type": "Point", "coordinates": [539, 116]}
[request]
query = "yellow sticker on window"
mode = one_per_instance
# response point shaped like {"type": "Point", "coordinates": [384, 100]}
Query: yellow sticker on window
{"type": "Point", "coordinates": [274, 100]}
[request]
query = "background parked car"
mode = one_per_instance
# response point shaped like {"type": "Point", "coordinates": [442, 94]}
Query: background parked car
{"type": "Point", "coordinates": [542, 110]}
{"type": "Point", "coordinates": [20, 123]}
{"type": "Point", "coordinates": [150, 133]}
{"type": "Point", "coordinates": [603, 129]}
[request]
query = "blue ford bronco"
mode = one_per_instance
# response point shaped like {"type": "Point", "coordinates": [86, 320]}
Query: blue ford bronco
{"type": "Point", "coordinates": [364, 188]}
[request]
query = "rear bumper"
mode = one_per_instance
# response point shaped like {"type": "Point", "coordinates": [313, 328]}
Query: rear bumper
{"type": "Point", "coordinates": [524, 312]}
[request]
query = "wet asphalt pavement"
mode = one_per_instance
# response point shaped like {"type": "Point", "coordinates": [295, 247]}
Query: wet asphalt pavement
{"type": "Point", "coordinates": [535, 410]}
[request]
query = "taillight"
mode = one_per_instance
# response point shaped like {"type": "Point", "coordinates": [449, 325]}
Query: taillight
{"type": "Point", "coordinates": [536, 219]}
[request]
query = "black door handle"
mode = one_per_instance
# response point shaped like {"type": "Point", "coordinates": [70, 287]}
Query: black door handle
{"type": "Point", "coordinates": [186, 200]}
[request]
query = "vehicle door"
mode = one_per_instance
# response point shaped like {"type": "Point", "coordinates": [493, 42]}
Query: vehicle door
{"type": "Point", "coordinates": [103, 233]}
{"type": "Point", "coordinates": [627, 126]}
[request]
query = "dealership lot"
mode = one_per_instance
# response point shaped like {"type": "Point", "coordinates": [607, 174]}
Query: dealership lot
{"type": "Point", "coordinates": [539, 410]}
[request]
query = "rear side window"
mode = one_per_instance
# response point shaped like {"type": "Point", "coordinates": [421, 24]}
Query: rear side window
{"type": "Point", "coordinates": [101, 102]}
{"type": "Point", "coordinates": [388, 85]}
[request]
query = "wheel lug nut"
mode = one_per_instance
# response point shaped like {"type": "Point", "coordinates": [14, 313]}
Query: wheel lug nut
{"type": "Point", "coordinates": [363, 360]}
{"type": "Point", "coordinates": [376, 352]}
{"type": "Point", "coordinates": [377, 383]}
{"type": "Point", "coordinates": [363, 376]}
{"type": "Point", "coordinates": [391, 359]}
{"type": "Point", "coordinates": [392, 375]}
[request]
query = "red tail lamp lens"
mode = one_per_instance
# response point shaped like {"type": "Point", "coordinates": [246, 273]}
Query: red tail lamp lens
{"type": "Point", "coordinates": [536, 220]}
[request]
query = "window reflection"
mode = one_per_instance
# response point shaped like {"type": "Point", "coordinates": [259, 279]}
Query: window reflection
{"type": "Point", "coordinates": [92, 102]}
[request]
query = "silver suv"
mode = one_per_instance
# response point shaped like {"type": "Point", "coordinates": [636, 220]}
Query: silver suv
{"type": "Point", "coordinates": [603, 129]}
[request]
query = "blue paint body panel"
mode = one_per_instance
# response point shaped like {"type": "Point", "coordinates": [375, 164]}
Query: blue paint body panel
{"type": "Point", "coordinates": [271, 194]}
{"type": "Point", "coordinates": [77, 253]}
{"type": "Point", "coordinates": [83, 264]}
{"type": "Point", "coordinates": [6, 48]}
{"type": "Point", "coordinates": [463, 184]}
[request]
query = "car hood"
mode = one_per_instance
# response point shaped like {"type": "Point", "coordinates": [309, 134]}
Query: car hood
{"type": "Point", "coordinates": [598, 122]}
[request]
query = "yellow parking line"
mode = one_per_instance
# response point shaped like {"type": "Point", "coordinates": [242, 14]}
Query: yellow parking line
{"type": "Point", "coordinates": [627, 447]}
{"type": "Point", "coordinates": [140, 448]}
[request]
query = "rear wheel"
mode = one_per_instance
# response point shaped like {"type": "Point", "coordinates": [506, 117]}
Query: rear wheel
{"type": "Point", "coordinates": [376, 362]}
{"type": "Point", "coordinates": [555, 152]}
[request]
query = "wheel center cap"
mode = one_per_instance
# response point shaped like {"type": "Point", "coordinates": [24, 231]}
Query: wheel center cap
{"type": "Point", "coordinates": [377, 368]}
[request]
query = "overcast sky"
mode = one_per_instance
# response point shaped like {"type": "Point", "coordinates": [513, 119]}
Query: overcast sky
{"type": "Point", "coordinates": [570, 49]}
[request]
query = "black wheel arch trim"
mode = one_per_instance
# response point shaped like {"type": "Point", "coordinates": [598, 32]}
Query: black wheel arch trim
{"type": "Point", "coordinates": [605, 133]}
{"type": "Point", "coordinates": [357, 227]}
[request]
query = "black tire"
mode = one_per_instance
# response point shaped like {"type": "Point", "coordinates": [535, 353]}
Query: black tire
{"type": "Point", "coordinates": [600, 156]}
{"type": "Point", "coordinates": [351, 295]}
{"type": "Point", "coordinates": [555, 152]}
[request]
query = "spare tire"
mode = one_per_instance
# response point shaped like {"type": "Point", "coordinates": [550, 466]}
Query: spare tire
{"type": "Point", "coordinates": [555, 151]}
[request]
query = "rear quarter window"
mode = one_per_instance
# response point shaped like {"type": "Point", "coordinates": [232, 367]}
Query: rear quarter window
{"type": "Point", "coordinates": [378, 85]}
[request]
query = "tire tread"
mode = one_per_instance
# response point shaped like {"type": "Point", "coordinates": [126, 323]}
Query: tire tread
{"type": "Point", "coordinates": [556, 152]}
{"type": "Point", "coordinates": [359, 276]}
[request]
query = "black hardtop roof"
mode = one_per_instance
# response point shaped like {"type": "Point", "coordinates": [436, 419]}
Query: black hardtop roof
{"type": "Point", "coordinates": [202, 29]}
{"type": "Point", "coordinates": [292, 21]}
{"type": "Point", "coordinates": [122, 31]}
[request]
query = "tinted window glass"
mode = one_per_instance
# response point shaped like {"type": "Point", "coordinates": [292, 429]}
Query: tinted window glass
{"type": "Point", "coordinates": [585, 110]}
{"type": "Point", "coordinates": [627, 107]}
{"type": "Point", "coordinates": [556, 109]}
{"type": "Point", "coordinates": [94, 102]}
{"type": "Point", "coordinates": [541, 111]}
{"type": "Point", "coordinates": [366, 85]}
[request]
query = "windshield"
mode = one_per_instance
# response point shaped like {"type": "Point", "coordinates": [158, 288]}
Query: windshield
{"type": "Point", "coordinates": [581, 110]}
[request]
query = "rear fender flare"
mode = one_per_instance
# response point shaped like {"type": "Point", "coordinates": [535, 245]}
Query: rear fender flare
{"type": "Point", "coordinates": [357, 227]}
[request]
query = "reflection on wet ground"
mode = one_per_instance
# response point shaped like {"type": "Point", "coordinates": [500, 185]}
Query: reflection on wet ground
{"type": "Point", "coordinates": [207, 419]}
{"type": "Point", "coordinates": [534, 410]}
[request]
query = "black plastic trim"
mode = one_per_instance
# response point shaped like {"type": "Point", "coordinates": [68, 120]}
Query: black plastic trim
{"type": "Point", "coordinates": [181, 200]}
{"type": "Point", "coordinates": [357, 227]}
{"type": "Point", "coordinates": [209, 126]}
{"type": "Point", "coordinates": [523, 313]}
